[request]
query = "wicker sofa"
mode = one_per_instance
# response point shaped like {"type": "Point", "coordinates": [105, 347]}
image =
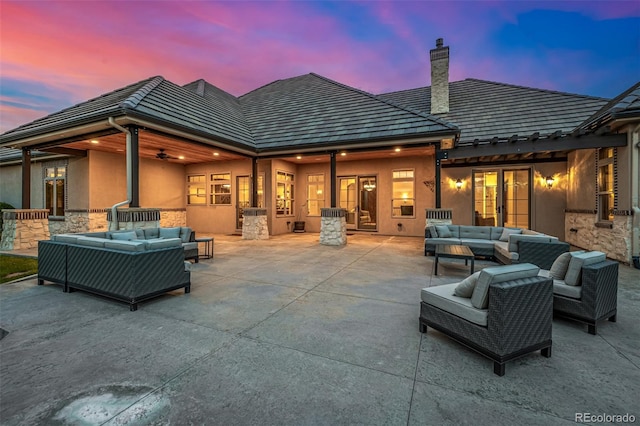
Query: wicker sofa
{"type": "Point", "coordinates": [123, 269]}
{"type": "Point", "coordinates": [585, 287]}
{"type": "Point", "coordinates": [506, 245]}
{"type": "Point", "coordinates": [502, 312]}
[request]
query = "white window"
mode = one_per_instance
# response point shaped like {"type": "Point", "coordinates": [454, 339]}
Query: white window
{"type": "Point", "coordinates": [54, 190]}
{"type": "Point", "coordinates": [284, 193]}
{"type": "Point", "coordinates": [315, 194]}
{"type": "Point", "coordinates": [606, 197]}
{"type": "Point", "coordinates": [221, 188]}
{"type": "Point", "coordinates": [196, 190]}
{"type": "Point", "coordinates": [403, 202]}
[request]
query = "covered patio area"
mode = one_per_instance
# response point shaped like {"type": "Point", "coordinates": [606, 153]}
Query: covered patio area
{"type": "Point", "coordinates": [287, 331]}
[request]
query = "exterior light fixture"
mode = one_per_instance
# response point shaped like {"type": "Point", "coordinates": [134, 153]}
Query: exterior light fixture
{"type": "Point", "coordinates": [549, 180]}
{"type": "Point", "coordinates": [458, 184]}
{"type": "Point", "coordinates": [369, 186]}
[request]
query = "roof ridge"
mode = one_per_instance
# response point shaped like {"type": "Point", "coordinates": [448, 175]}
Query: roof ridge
{"type": "Point", "coordinates": [390, 103]}
{"type": "Point", "coordinates": [133, 100]}
{"type": "Point", "coordinates": [266, 85]}
{"type": "Point", "coordinates": [537, 89]}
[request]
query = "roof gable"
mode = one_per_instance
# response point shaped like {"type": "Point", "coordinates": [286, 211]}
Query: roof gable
{"type": "Point", "coordinates": [313, 110]}
{"type": "Point", "coordinates": [626, 104]}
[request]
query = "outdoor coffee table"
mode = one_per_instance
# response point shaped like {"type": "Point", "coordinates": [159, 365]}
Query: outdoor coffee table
{"type": "Point", "coordinates": [454, 252]}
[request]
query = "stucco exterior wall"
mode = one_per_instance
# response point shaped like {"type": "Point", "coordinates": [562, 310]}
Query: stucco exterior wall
{"type": "Point", "coordinates": [11, 185]}
{"type": "Point", "coordinates": [581, 183]}
{"type": "Point", "coordinates": [547, 205]}
{"type": "Point", "coordinates": [215, 219]}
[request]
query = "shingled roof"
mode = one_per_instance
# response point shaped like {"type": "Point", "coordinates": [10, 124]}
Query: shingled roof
{"type": "Point", "coordinates": [154, 99]}
{"type": "Point", "coordinates": [311, 110]}
{"type": "Point", "coordinates": [308, 111]}
{"type": "Point", "coordinates": [625, 105]}
{"type": "Point", "coordinates": [484, 110]}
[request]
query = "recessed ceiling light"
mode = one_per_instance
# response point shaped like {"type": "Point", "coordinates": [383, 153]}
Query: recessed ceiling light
{"type": "Point", "coordinates": [95, 142]}
{"type": "Point", "coordinates": [215, 154]}
{"type": "Point", "coordinates": [180, 157]}
{"type": "Point", "coordinates": [343, 153]}
{"type": "Point", "coordinates": [397, 149]}
{"type": "Point", "coordinates": [298, 157]}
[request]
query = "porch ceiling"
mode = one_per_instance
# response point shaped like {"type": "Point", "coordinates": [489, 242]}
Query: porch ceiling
{"type": "Point", "coordinates": [386, 153]}
{"type": "Point", "coordinates": [150, 144]}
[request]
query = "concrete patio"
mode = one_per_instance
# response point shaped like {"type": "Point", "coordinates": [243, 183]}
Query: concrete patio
{"type": "Point", "coordinates": [287, 331]}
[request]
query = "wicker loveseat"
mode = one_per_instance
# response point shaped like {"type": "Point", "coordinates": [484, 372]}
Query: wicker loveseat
{"type": "Point", "coordinates": [506, 245]}
{"type": "Point", "coordinates": [126, 270]}
{"type": "Point", "coordinates": [502, 312]}
{"type": "Point", "coordinates": [585, 287]}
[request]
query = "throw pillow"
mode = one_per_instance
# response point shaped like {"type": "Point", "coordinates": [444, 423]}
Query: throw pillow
{"type": "Point", "coordinates": [560, 265]}
{"type": "Point", "coordinates": [443, 231]}
{"type": "Point", "coordinates": [432, 231]}
{"type": "Point", "coordinates": [465, 287]}
{"type": "Point", "coordinates": [126, 236]}
{"type": "Point", "coordinates": [506, 232]}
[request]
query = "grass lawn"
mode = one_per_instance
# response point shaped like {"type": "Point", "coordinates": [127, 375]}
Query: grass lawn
{"type": "Point", "coordinates": [14, 267]}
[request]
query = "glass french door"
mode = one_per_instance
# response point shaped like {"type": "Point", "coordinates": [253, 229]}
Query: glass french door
{"type": "Point", "coordinates": [502, 197]}
{"type": "Point", "coordinates": [358, 195]}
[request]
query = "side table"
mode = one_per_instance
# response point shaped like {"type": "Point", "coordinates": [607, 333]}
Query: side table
{"type": "Point", "coordinates": [208, 247]}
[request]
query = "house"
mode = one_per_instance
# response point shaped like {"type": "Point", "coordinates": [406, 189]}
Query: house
{"type": "Point", "coordinates": [492, 153]}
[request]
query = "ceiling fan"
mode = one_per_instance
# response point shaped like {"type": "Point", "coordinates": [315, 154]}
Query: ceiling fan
{"type": "Point", "coordinates": [164, 156]}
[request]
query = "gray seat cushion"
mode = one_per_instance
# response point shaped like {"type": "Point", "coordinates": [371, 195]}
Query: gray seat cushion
{"type": "Point", "coordinates": [475, 232]}
{"type": "Point", "coordinates": [91, 241]}
{"type": "Point", "coordinates": [476, 243]}
{"type": "Point", "coordinates": [66, 238]}
{"type": "Point", "coordinates": [155, 244]}
{"type": "Point", "coordinates": [503, 248]}
{"type": "Point", "coordinates": [435, 241]}
{"type": "Point", "coordinates": [442, 297]}
{"type": "Point", "coordinates": [125, 245]}
{"type": "Point", "coordinates": [561, 288]}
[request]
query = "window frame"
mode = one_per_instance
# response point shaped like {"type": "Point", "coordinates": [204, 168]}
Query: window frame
{"type": "Point", "coordinates": [201, 189]}
{"type": "Point", "coordinates": [53, 210]}
{"type": "Point", "coordinates": [396, 212]}
{"type": "Point", "coordinates": [288, 186]}
{"type": "Point", "coordinates": [319, 186]}
{"type": "Point", "coordinates": [213, 191]}
{"type": "Point", "coordinates": [609, 164]}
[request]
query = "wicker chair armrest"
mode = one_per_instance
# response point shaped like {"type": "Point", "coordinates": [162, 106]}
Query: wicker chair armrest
{"type": "Point", "coordinates": [520, 312]}
{"type": "Point", "coordinates": [541, 254]}
{"type": "Point", "coordinates": [600, 287]}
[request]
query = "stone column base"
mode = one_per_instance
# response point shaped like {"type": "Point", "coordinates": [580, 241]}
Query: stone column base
{"type": "Point", "coordinates": [23, 228]}
{"type": "Point", "coordinates": [254, 224]}
{"type": "Point", "coordinates": [333, 227]}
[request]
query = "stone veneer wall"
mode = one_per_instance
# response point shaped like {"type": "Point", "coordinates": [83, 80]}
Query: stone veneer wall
{"type": "Point", "coordinates": [254, 224]}
{"type": "Point", "coordinates": [333, 227]}
{"type": "Point", "coordinates": [581, 231]}
{"type": "Point", "coordinates": [23, 228]}
{"type": "Point", "coordinates": [173, 217]}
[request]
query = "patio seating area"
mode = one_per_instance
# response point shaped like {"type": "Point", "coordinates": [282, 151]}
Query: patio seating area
{"type": "Point", "coordinates": [288, 331]}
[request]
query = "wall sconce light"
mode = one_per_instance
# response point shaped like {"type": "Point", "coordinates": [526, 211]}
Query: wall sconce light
{"type": "Point", "coordinates": [458, 184]}
{"type": "Point", "coordinates": [549, 180]}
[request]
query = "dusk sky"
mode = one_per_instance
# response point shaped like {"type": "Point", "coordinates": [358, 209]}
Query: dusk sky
{"type": "Point", "coordinates": [55, 54]}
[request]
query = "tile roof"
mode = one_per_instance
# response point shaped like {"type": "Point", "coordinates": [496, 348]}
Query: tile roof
{"type": "Point", "coordinates": [625, 105]}
{"type": "Point", "coordinates": [484, 109]}
{"type": "Point", "coordinates": [305, 111]}
{"type": "Point", "coordinates": [311, 110]}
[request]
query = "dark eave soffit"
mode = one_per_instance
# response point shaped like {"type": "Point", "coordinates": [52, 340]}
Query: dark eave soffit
{"type": "Point", "coordinates": [563, 143]}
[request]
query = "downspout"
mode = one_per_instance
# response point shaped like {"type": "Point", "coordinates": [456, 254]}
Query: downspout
{"type": "Point", "coordinates": [113, 226]}
{"type": "Point", "coordinates": [635, 197]}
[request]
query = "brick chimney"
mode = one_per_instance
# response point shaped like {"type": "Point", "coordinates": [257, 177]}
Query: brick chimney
{"type": "Point", "coordinates": [440, 78]}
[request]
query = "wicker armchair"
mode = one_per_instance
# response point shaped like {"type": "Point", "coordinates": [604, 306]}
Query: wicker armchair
{"type": "Point", "coordinates": [518, 320]}
{"type": "Point", "coordinates": [599, 296]}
